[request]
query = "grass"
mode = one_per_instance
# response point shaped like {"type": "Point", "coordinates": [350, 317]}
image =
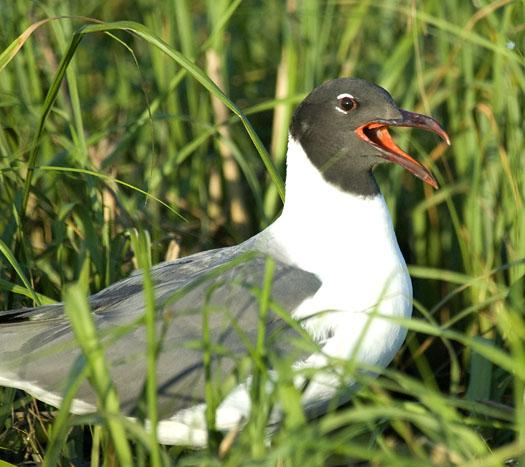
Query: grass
{"type": "Point", "coordinates": [114, 126]}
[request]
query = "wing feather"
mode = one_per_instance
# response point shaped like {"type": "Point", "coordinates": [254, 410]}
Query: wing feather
{"type": "Point", "coordinates": [38, 344]}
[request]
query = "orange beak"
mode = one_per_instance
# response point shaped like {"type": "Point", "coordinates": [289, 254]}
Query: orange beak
{"type": "Point", "coordinates": [376, 133]}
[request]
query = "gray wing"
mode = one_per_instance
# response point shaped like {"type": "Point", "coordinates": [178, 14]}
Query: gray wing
{"type": "Point", "coordinates": [37, 345]}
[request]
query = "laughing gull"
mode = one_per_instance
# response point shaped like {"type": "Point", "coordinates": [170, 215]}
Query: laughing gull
{"type": "Point", "coordinates": [338, 273]}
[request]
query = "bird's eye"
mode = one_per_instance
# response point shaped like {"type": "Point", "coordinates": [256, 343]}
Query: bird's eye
{"type": "Point", "coordinates": [346, 103]}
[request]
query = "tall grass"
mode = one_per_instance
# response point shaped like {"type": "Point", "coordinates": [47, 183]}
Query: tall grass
{"type": "Point", "coordinates": [92, 112]}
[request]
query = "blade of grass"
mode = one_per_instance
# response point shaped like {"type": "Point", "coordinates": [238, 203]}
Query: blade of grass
{"type": "Point", "coordinates": [4, 249]}
{"type": "Point", "coordinates": [77, 309]}
{"type": "Point", "coordinates": [142, 247]}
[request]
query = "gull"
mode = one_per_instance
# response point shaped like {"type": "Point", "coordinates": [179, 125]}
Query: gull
{"type": "Point", "coordinates": [338, 274]}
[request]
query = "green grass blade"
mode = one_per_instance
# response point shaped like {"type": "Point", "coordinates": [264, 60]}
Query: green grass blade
{"type": "Point", "coordinates": [8, 255]}
{"type": "Point", "coordinates": [82, 323]}
{"type": "Point", "coordinates": [142, 248]}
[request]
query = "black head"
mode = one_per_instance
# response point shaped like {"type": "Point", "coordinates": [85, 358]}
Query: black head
{"type": "Point", "coordinates": [342, 126]}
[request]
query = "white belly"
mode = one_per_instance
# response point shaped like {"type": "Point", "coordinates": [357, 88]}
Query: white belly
{"type": "Point", "coordinates": [352, 319]}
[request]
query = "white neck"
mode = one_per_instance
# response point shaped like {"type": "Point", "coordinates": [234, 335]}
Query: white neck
{"type": "Point", "coordinates": [322, 227]}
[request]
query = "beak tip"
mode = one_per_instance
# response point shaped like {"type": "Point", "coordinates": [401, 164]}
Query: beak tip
{"type": "Point", "coordinates": [442, 133]}
{"type": "Point", "coordinates": [431, 181]}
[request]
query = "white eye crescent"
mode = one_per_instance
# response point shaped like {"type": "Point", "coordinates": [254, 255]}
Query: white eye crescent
{"type": "Point", "coordinates": [346, 103]}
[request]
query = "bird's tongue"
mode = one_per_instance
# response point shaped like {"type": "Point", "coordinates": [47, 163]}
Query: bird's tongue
{"type": "Point", "coordinates": [378, 133]}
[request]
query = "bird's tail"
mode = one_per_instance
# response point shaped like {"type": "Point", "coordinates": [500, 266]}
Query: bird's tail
{"type": "Point", "coordinates": [19, 332]}
{"type": "Point", "coordinates": [23, 338]}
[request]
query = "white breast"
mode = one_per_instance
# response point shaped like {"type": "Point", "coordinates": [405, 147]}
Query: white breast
{"type": "Point", "coordinates": [349, 243]}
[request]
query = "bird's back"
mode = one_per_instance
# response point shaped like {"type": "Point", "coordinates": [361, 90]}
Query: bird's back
{"type": "Point", "coordinates": [38, 349]}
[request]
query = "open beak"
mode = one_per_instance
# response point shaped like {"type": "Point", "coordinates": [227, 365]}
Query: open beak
{"type": "Point", "coordinates": [376, 133]}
